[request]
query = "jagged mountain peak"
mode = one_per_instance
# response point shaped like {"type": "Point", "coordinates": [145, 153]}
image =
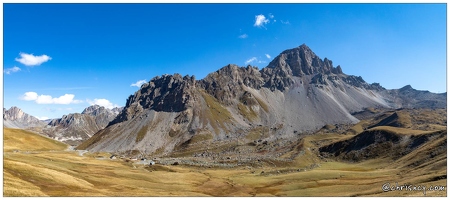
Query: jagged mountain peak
{"type": "Point", "coordinates": [406, 87]}
{"type": "Point", "coordinates": [168, 93]}
{"type": "Point", "coordinates": [297, 62]}
{"type": "Point", "coordinates": [17, 118]}
{"type": "Point", "coordinates": [92, 109]}
{"type": "Point", "coordinates": [14, 112]}
{"type": "Point", "coordinates": [301, 61]}
{"type": "Point", "coordinates": [95, 110]}
{"type": "Point", "coordinates": [166, 97]}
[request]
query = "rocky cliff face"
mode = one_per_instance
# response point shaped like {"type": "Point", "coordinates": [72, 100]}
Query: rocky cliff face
{"type": "Point", "coordinates": [226, 84]}
{"type": "Point", "coordinates": [77, 127]}
{"type": "Point", "coordinates": [295, 94]}
{"type": "Point", "coordinates": [16, 118]}
{"type": "Point", "coordinates": [162, 94]}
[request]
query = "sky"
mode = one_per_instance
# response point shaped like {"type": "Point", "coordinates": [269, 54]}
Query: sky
{"type": "Point", "coordinates": [61, 58]}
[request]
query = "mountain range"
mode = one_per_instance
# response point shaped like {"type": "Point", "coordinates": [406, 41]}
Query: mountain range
{"type": "Point", "coordinates": [296, 94]}
{"type": "Point", "coordinates": [71, 129]}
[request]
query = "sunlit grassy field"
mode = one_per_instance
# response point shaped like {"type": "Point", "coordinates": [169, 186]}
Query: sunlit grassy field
{"type": "Point", "coordinates": [38, 166]}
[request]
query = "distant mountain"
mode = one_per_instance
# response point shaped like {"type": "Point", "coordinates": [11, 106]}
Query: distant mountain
{"type": "Point", "coordinates": [101, 115]}
{"type": "Point", "coordinates": [296, 94]}
{"type": "Point", "coordinates": [408, 97]}
{"type": "Point", "coordinates": [77, 127]}
{"type": "Point", "coordinates": [16, 118]}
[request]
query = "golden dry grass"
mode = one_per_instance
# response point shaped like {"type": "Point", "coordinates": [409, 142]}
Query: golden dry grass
{"type": "Point", "coordinates": [400, 131]}
{"type": "Point", "coordinates": [65, 173]}
{"type": "Point", "coordinates": [18, 139]}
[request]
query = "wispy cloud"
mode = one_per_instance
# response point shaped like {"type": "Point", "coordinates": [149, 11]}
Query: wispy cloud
{"type": "Point", "coordinates": [262, 61]}
{"type": "Point", "coordinates": [47, 99]}
{"type": "Point", "coordinates": [50, 109]}
{"type": "Point", "coordinates": [11, 70]}
{"type": "Point", "coordinates": [102, 102]}
{"type": "Point", "coordinates": [243, 36]}
{"type": "Point", "coordinates": [138, 83]}
{"type": "Point", "coordinates": [285, 22]}
{"type": "Point", "coordinates": [32, 60]}
{"type": "Point", "coordinates": [256, 60]}
{"type": "Point", "coordinates": [271, 16]}
{"type": "Point", "coordinates": [260, 20]}
{"type": "Point", "coordinates": [251, 60]}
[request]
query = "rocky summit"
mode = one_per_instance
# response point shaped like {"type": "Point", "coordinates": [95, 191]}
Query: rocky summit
{"type": "Point", "coordinates": [295, 95]}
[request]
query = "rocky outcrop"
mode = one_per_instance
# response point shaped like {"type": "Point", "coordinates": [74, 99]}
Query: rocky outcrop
{"type": "Point", "coordinates": [102, 115]}
{"type": "Point", "coordinates": [117, 110]}
{"type": "Point", "coordinates": [16, 118]}
{"type": "Point", "coordinates": [226, 84]}
{"type": "Point", "coordinates": [163, 94]}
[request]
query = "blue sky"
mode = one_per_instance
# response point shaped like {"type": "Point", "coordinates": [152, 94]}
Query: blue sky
{"type": "Point", "coordinates": [61, 58]}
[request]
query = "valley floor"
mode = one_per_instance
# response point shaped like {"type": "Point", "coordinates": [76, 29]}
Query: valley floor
{"type": "Point", "coordinates": [57, 171]}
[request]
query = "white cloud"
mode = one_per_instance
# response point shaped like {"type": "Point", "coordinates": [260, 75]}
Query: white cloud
{"type": "Point", "coordinates": [42, 118]}
{"type": "Point", "coordinates": [285, 22]}
{"type": "Point", "coordinates": [268, 56]}
{"type": "Point", "coordinates": [260, 20]}
{"type": "Point", "coordinates": [31, 60]}
{"type": "Point", "coordinates": [253, 59]}
{"type": "Point", "coordinates": [11, 70]}
{"type": "Point", "coordinates": [271, 16]}
{"type": "Point", "coordinates": [243, 36]}
{"type": "Point", "coordinates": [102, 102]}
{"type": "Point", "coordinates": [30, 96]}
{"type": "Point", "coordinates": [138, 83]}
{"type": "Point", "coordinates": [66, 99]}
{"type": "Point", "coordinates": [44, 99]}
{"type": "Point", "coordinates": [47, 99]}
